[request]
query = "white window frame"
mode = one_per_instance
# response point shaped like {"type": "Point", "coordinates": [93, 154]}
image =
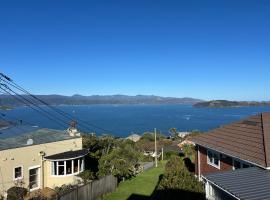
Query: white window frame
{"type": "Point", "coordinates": [35, 167]}
{"type": "Point", "coordinates": [80, 169]}
{"type": "Point", "coordinates": [20, 178]}
{"type": "Point", "coordinates": [241, 163]}
{"type": "Point", "coordinates": [208, 159]}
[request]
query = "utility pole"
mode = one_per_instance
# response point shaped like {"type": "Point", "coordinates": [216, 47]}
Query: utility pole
{"type": "Point", "coordinates": [156, 146]}
{"type": "Point", "coordinates": [162, 153]}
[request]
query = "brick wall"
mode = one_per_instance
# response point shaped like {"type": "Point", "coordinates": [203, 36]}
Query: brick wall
{"type": "Point", "coordinates": [225, 162]}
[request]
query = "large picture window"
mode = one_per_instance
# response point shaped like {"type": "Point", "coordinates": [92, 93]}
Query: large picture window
{"type": "Point", "coordinates": [213, 158]}
{"type": "Point", "coordinates": [67, 167]}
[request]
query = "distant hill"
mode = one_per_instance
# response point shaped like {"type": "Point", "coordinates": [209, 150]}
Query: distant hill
{"type": "Point", "coordinates": [225, 103]}
{"type": "Point", "coordinates": [7, 100]}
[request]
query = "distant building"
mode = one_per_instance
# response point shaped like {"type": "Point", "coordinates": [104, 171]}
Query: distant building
{"type": "Point", "coordinates": [134, 137]}
{"type": "Point", "coordinates": [185, 142]}
{"type": "Point", "coordinates": [183, 134]}
{"type": "Point", "coordinates": [39, 157]}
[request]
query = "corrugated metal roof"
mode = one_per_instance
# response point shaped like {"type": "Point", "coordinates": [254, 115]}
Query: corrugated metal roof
{"type": "Point", "coordinates": [17, 136]}
{"type": "Point", "coordinates": [247, 139]}
{"type": "Point", "coordinates": [16, 130]}
{"type": "Point", "coordinates": [249, 183]}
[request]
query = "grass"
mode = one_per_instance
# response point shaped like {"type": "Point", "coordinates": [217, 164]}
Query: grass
{"type": "Point", "coordinates": [143, 184]}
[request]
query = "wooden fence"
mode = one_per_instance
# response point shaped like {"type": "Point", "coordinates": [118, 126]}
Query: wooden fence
{"type": "Point", "coordinates": [92, 190]}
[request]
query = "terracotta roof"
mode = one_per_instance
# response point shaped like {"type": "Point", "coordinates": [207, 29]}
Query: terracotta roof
{"type": "Point", "coordinates": [248, 139]}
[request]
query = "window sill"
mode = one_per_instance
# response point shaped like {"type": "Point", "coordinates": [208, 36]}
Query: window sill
{"type": "Point", "coordinates": [18, 179]}
{"type": "Point", "coordinates": [66, 175]}
{"type": "Point", "coordinates": [213, 165]}
{"type": "Point", "coordinates": [33, 189]}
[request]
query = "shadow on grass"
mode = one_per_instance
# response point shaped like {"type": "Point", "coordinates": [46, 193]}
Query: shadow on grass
{"type": "Point", "coordinates": [169, 194]}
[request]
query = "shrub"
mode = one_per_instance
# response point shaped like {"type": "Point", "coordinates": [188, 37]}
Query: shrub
{"type": "Point", "coordinates": [87, 176]}
{"type": "Point", "coordinates": [16, 193]}
{"type": "Point", "coordinates": [177, 176]}
{"type": "Point", "coordinates": [64, 189]}
{"type": "Point", "coordinates": [169, 154]}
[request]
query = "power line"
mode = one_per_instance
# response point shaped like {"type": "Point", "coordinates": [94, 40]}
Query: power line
{"type": "Point", "coordinates": [32, 107]}
{"type": "Point", "coordinates": [16, 119]}
{"type": "Point", "coordinates": [59, 111]}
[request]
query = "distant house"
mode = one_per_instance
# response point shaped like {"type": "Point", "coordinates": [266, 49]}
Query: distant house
{"type": "Point", "coordinates": [234, 160]}
{"type": "Point", "coordinates": [134, 137]}
{"type": "Point", "coordinates": [150, 149]}
{"type": "Point", "coordinates": [183, 134]}
{"type": "Point", "coordinates": [39, 157]}
{"type": "Point", "coordinates": [185, 142]}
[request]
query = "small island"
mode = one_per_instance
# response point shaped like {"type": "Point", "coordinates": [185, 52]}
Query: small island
{"type": "Point", "coordinates": [5, 108]}
{"type": "Point", "coordinates": [226, 103]}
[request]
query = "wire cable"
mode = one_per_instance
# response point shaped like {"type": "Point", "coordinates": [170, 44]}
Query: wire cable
{"type": "Point", "coordinates": [59, 111]}
{"type": "Point", "coordinates": [32, 107]}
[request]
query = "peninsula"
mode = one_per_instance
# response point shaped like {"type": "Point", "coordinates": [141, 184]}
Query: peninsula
{"type": "Point", "coordinates": [226, 103]}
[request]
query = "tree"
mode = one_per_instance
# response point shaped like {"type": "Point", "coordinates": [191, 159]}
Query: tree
{"type": "Point", "coordinates": [174, 133]}
{"type": "Point", "coordinates": [121, 162]}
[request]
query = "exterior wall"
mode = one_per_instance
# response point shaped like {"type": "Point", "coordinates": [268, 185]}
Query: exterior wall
{"type": "Point", "coordinates": [225, 162]}
{"type": "Point", "coordinates": [214, 193]}
{"type": "Point", "coordinates": [28, 157]}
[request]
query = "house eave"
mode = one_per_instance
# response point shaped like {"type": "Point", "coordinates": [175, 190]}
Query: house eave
{"type": "Point", "coordinates": [248, 161]}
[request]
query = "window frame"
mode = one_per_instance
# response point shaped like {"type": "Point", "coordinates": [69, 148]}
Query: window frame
{"type": "Point", "coordinates": [209, 160]}
{"type": "Point", "coordinates": [38, 177]}
{"type": "Point", "coordinates": [56, 174]}
{"type": "Point", "coordinates": [242, 163]}
{"type": "Point", "coordinates": [14, 173]}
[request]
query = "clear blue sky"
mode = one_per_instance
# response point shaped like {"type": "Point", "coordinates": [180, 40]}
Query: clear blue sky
{"type": "Point", "coordinates": [203, 49]}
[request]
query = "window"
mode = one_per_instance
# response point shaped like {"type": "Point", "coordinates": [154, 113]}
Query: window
{"type": "Point", "coordinates": [238, 164]}
{"type": "Point", "coordinates": [61, 168]}
{"type": "Point", "coordinates": [18, 173]}
{"type": "Point", "coordinates": [67, 167]}
{"type": "Point", "coordinates": [76, 165]}
{"type": "Point", "coordinates": [213, 158]}
{"type": "Point", "coordinates": [33, 178]}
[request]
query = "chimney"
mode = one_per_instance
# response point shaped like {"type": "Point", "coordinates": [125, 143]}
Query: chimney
{"type": "Point", "coordinates": [72, 130]}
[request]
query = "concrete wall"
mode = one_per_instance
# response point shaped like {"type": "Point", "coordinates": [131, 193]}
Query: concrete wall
{"type": "Point", "coordinates": [201, 156]}
{"type": "Point", "coordinates": [28, 157]}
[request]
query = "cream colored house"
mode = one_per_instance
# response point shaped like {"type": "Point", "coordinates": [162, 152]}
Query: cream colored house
{"type": "Point", "coordinates": [36, 158]}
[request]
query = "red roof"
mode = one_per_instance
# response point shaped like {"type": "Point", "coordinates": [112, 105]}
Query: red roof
{"type": "Point", "coordinates": [248, 139]}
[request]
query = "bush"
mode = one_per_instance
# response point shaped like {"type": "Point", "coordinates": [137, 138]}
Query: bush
{"type": "Point", "coordinates": [177, 176]}
{"type": "Point", "coordinates": [64, 189]}
{"type": "Point", "coordinates": [169, 154]}
{"type": "Point", "coordinates": [121, 162]}
{"type": "Point", "coordinates": [189, 151]}
{"type": "Point", "coordinates": [16, 193]}
{"type": "Point", "coordinates": [87, 176]}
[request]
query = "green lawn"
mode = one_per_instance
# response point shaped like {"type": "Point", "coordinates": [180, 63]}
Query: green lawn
{"type": "Point", "coordinates": [144, 184]}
